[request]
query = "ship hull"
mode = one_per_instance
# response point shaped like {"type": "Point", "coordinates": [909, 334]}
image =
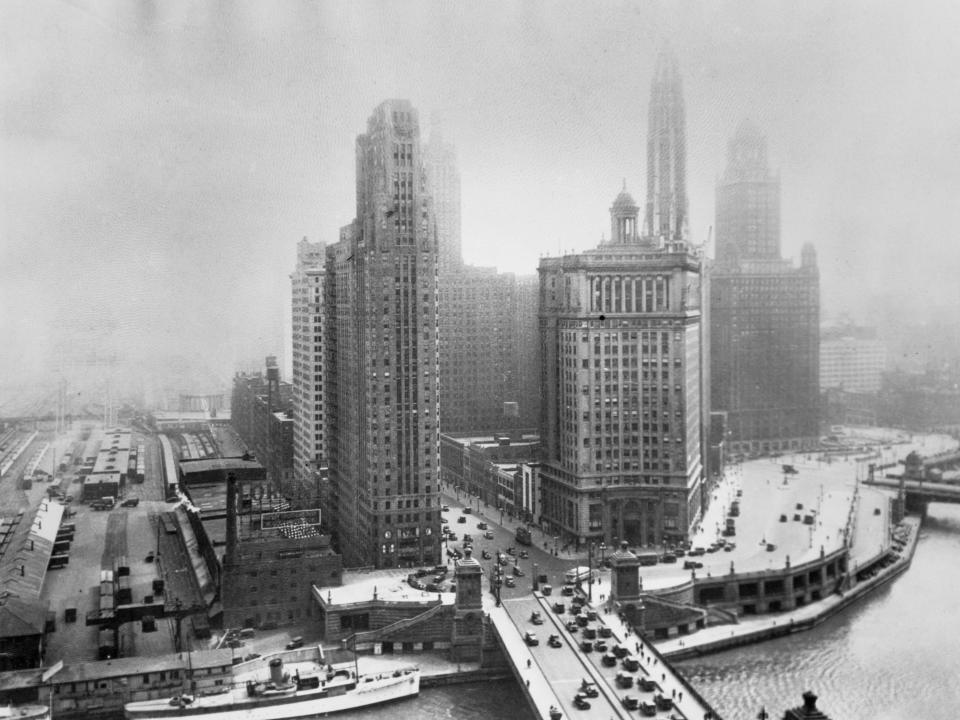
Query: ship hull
{"type": "Point", "coordinates": [236, 706]}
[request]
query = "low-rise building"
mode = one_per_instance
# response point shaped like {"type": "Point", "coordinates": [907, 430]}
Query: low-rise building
{"type": "Point", "coordinates": [491, 468]}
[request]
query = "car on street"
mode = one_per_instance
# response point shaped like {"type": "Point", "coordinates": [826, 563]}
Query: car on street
{"type": "Point", "coordinates": [488, 535]}
{"type": "Point", "coordinates": [130, 502]}
{"type": "Point", "coordinates": [530, 638]}
{"type": "Point", "coordinates": [510, 582]}
{"type": "Point", "coordinates": [524, 554]}
{"type": "Point", "coordinates": [451, 536]}
{"type": "Point", "coordinates": [485, 554]}
{"type": "Point", "coordinates": [465, 511]}
{"type": "Point", "coordinates": [517, 572]}
{"type": "Point", "coordinates": [482, 526]}
{"type": "Point", "coordinates": [295, 643]}
{"type": "Point", "coordinates": [554, 641]}
{"type": "Point", "coordinates": [536, 618]}
{"type": "Point", "coordinates": [572, 627]}
{"type": "Point", "coordinates": [580, 702]}
{"type": "Point", "coordinates": [445, 508]}
{"type": "Point", "coordinates": [461, 519]}
{"type": "Point", "coordinates": [692, 565]}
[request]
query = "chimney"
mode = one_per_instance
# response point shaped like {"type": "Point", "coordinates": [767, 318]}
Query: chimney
{"type": "Point", "coordinates": [231, 517]}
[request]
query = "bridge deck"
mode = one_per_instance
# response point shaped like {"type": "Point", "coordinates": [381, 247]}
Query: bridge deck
{"type": "Point", "coordinates": [552, 676]}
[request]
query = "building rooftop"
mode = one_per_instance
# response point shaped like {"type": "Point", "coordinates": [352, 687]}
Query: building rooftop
{"type": "Point", "coordinates": [189, 467]}
{"type": "Point", "coordinates": [388, 586]}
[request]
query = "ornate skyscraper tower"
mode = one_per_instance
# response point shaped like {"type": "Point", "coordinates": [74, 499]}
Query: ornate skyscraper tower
{"type": "Point", "coordinates": [666, 212]}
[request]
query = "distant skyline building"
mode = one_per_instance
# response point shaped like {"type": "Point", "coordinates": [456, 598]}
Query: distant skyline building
{"type": "Point", "coordinates": [443, 176]}
{"type": "Point", "coordinates": [487, 321]}
{"type": "Point", "coordinates": [764, 312]}
{"type": "Point", "coordinates": [307, 327]}
{"type": "Point", "coordinates": [262, 415]}
{"type": "Point", "coordinates": [622, 360]}
{"type": "Point", "coordinates": [382, 345]}
{"type": "Point", "coordinates": [852, 359]}
{"type": "Point", "coordinates": [666, 210]}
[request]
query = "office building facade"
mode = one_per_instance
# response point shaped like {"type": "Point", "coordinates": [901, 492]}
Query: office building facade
{"type": "Point", "coordinates": [383, 355]}
{"type": "Point", "coordinates": [621, 376]}
{"type": "Point", "coordinates": [621, 360]}
{"type": "Point", "coordinates": [309, 427]}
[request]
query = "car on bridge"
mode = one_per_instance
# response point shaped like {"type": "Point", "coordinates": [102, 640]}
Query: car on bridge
{"type": "Point", "coordinates": [530, 638]}
{"type": "Point", "coordinates": [580, 702]}
{"type": "Point", "coordinates": [586, 646]}
{"type": "Point", "coordinates": [536, 618]}
{"type": "Point", "coordinates": [589, 688]}
{"type": "Point", "coordinates": [554, 641]}
{"type": "Point", "coordinates": [482, 526]}
{"type": "Point", "coordinates": [572, 627]}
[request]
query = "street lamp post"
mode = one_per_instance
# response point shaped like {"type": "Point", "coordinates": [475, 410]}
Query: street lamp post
{"type": "Point", "coordinates": [590, 573]}
{"type": "Point", "coordinates": [603, 549]}
{"type": "Point", "coordinates": [501, 515]}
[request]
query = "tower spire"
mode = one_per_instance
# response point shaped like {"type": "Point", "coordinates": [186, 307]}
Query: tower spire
{"type": "Point", "coordinates": [666, 211]}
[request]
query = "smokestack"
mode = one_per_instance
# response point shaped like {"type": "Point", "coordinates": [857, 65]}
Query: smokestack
{"type": "Point", "coordinates": [231, 517]}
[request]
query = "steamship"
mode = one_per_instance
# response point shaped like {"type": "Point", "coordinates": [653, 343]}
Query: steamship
{"type": "Point", "coordinates": [312, 689]}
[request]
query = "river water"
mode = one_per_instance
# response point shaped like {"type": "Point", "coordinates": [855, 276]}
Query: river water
{"type": "Point", "coordinates": [895, 655]}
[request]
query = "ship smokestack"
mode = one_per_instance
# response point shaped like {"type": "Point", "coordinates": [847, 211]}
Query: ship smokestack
{"type": "Point", "coordinates": [276, 671]}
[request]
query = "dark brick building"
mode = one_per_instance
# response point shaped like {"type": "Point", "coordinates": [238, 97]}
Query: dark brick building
{"type": "Point", "coordinates": [262, 415]}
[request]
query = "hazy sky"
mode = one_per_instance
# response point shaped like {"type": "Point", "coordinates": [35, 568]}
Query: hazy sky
{"type": "Point", "coordinates": [161, 159]}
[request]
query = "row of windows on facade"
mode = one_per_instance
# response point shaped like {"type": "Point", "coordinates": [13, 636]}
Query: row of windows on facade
{"type": "Point", "coordinates": [645, 336]}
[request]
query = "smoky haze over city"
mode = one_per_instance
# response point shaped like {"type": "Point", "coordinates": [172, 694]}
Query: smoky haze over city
{"type": "Point", "coordinates": [339, 336]}
{"type": "Point", "coordinates": [163, 159]}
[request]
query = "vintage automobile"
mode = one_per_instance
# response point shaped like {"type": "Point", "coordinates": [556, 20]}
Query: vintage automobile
{"type": "Point", "coordinates": [580, 702]}
{"type": "Point", "coordinates": [530, 638]}
{"type": "Point", "coordinates": [646, 684]}
{"type": "Point", "coordinates": [630, 702]}
{"type": "Point", "coordinates": [536, 618]}
{"type": "Point", "coordinates": [588, 688]}
{"type": "Point", "coordinates": [554, 641]}
{"type": "Point", "coordinates": [624, 680]}
{"type": "Point", "coordinates": [663, 702]}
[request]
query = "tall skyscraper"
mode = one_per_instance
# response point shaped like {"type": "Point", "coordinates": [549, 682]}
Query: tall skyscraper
{"type": "Point", "coordinates": [309, 431]}
{"type": "Point", "coordinates": [383, 354]}
{"type": "Point", "coordinates": [621, 360]}
{"type": "Point", "coordinates": [764, 311]}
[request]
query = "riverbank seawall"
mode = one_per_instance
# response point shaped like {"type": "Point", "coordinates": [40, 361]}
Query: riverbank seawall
{"type": "Point", "coordinates": [766, 627]}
